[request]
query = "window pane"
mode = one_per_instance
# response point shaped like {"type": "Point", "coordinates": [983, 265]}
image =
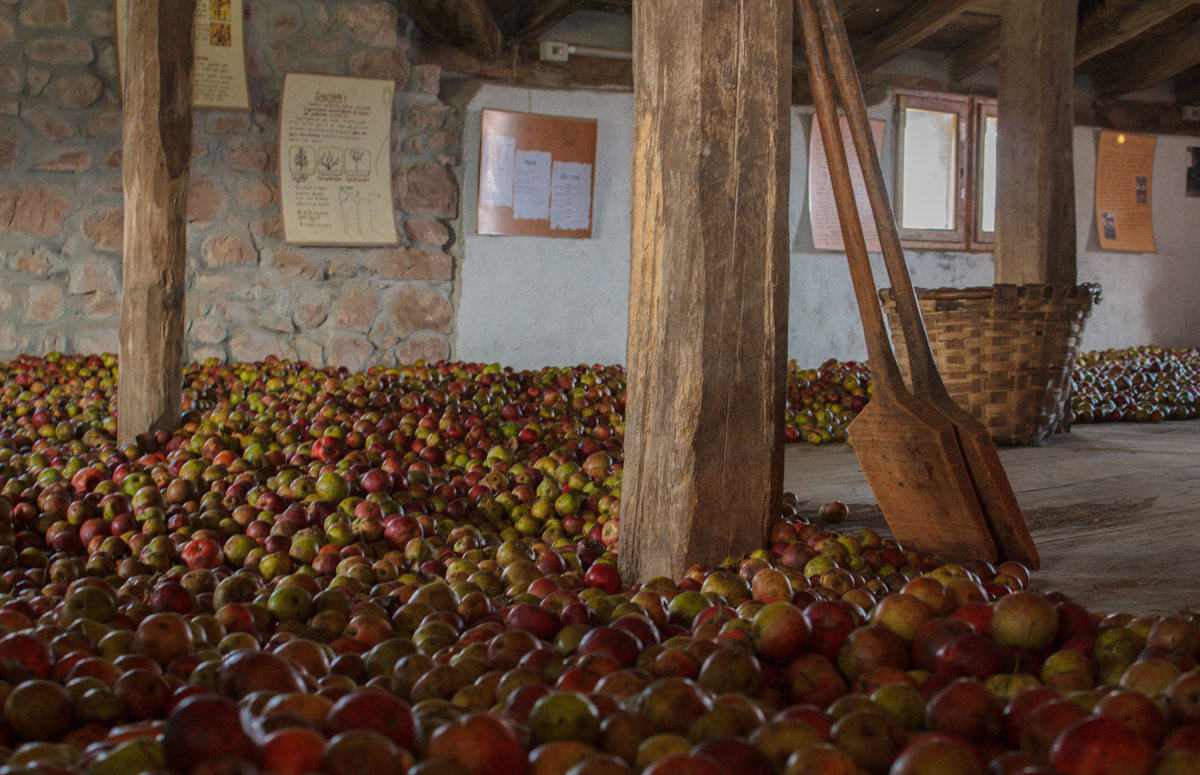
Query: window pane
{"type": "Point", "coordinates": [987, 200]}
{"type": "Point", "coordinates": [930, 167]}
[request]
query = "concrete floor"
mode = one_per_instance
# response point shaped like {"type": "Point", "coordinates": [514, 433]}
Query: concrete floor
{"type": "Point", "coordinates": [1114, 509]}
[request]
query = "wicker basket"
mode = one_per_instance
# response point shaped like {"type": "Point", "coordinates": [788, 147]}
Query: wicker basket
{"type": "Point", "coordinates": [1005, 352]}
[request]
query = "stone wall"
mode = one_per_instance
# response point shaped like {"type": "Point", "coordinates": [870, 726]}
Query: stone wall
{"type": "Point", "coordinates": [248, 293]}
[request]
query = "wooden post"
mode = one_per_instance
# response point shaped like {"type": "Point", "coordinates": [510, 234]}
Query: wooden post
{"type": "Point", "coordinates": [1035, 179]}
{"type": "Point", "coordinates": [157, 150]}
{"type": "Point", "coordinates": [707, 350]}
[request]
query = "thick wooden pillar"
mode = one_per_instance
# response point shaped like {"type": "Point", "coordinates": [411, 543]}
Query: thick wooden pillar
{"type": "Point", "coordinates": [157, 148]}
{"type": "Point", "coordinates": [707, 350]}
{"type": "Point", "coordinates": [1035, 195]}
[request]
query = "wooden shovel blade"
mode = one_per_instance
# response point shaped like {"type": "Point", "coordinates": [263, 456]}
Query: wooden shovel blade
{"type": "Point", "coordinates": [1001, 511]}
{"type": "Point", "coordinates": [911, 457]}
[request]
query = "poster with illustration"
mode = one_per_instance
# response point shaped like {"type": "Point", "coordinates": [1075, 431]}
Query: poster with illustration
{"type": "Point", "coordinates": [1124, 186]}
{"type": "Point", "coordinates": [219, 73]}
{"type": "Point", "coordinates": [335, 172]}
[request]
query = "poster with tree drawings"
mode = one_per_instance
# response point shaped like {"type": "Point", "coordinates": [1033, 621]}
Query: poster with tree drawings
{"type": "Point", "coordinates": [536, 174]}
{"type": "Point", "coordinates": [335, 181]}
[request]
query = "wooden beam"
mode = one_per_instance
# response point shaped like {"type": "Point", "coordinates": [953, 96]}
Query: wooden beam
{"type": "Point", "coordinates": [707, 346]}
{"type": "Point", "coordinates": [1122, 23]}
{"type": "Point", "coordinates": [913, 26]}
{"type": "Point", "coordinates": [1159, 62]}
{"type": "Point", "coordinates": [976, 54]}
{"type": "Point", "coordinates": [156, 156]}
{"type": "Point", "coordinates": [522, 66]}
{"type": "Point", "coordinates": [544, 16]}
{"type": "Point", "coordinates": [1158, 118]}
{"type": "Point", "coordinates": [1118, 24]}
{"type": "Point", "coordinates": [466, 24]}
{"type": "Point", "coordinates": [1035, 195]}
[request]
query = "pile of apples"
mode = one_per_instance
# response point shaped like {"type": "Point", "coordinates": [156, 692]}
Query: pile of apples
{"type": "Point", "coordinates": [821, 402]}
{"type": "Point", "coordinates": [1138, 384]}
{"type": "Point", "coordinates": [412, 571]}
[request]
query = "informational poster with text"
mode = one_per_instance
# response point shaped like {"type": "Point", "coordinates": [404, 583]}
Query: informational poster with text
{"type": "Point", "coordinates": [335, 172]}
{"type": "Point", "coordinates": [1124, 180]}
{"type": "Point", "coordinates": [219, 73]}
{"type": "Point", "coordinates": [826, 228]}
{"type": "Point", "coordinates": [536, 174]}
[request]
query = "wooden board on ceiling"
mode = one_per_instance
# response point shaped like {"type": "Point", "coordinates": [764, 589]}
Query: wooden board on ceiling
{"type": "Point", "coordinates": [1145, 41]}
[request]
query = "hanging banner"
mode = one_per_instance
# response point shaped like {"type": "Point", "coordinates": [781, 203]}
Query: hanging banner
{"type": "Point", "coordinates": [1124, 170]}
{"type": "Point", "coordinates": [219, 74]}
{"type": "Point", "coordinates": [822, 207]}
{"type": "Point", "coordinates": [335, 170]}
{"type": "Point", "coordinates": [535, 174]}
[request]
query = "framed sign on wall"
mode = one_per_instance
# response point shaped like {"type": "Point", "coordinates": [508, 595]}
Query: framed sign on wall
{"type": "Point", "coordinates": [536, 174]}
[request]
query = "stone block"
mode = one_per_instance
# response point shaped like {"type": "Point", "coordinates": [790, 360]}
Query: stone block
{"type": "Point", "coordinates": [308, 350]}
{"type": "Point", "coordinates": [392, 65]}
{"type": "Point", "coordinates": [59, 51]}
{"type": "Point", "coordinates": [104, 305]}
{"type": "Point", "coordinates": [45, 13]}
{"type": "Point", "coordinates": [353, 352]}
{"type": "Point", "coordinates": [427, 78]}
{"type": "Point", "coordinates": [97, 341]}
{"type": "Point", "coordinates": [9, 147]}
{"type": "Point", "coordinates": [426, 115]}
{"type": "Point", "coordinates": [79, 160]}
{"type": "Point", "coordinates": [107, 231]}
{"type": "Point", "coordinates": [74, 92]}
{"type": "Point", "coordinates": [293, 264]}
{"type": "Point", "coordinates": [421, 348]}
{"type": "Point", "coordinates": [229, 123]}
{"type": "Point", "coordinates": [92, 277]}
{"type": "Point", "coordinates": [427, 189]}
{"type": "Point", "coordinates": [357, 304]}
{"type": "Point", "coordinates": [372, 23]}
{"type": "Point", "coordinates": [207, 330]}
{"type": "Point", "coordinates": [249, 345]}
{"type": "Point", "coordinates": [226, 251]}
{"type": "Point", "coordinates": [257, 193]}
{"type": "Point", "coordinates": [52, 124]}
{"type": "Point", "coordinates": [33, 209]}
{"type": "Point", "coordinates": [32, 261]}
{"type": "Point", "coordinates": [416, 308]}
{"type": "Point", "coordinates": [205, 201]}
{"type": "Point", "coordinates": [44, 302]}
{"type": "Point", "coordinates": [412, 264]}
{"type": "Point", "coordinates": [427, 230]}
{"type": "Point", "coordinates": [7, 33]}
{"type": "Point", "coordinates": [12, 80]}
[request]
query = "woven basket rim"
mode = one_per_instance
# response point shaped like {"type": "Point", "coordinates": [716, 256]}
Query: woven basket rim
{"type": "Point", "coordinates": [1005, 290]}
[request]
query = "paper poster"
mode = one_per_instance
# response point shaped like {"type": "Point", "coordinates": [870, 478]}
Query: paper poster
{"type": "Point", "coordinates": [536, 174]}
{"type": "Point", "coordinates": [571, 195]}
{"type": "Point", "coordinates": [531, 185]}
{"type": "Point", "coordinates": [496, 171]}
{"type": "Point", "coordinates": [826, 228]}
{"type": "Point", "coordinates": [335, 172]}
{"type": "Point", "coordinates": [219, 73]}
{"type": "Point", "coordinates": [1124, 167]}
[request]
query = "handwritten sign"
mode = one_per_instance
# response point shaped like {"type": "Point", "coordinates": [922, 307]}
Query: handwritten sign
{"type": "Point", "coordinates": [335, 172]}
{"type": "Point", "coordinates": [1124, 169]}
{"type": "Point", "coordinates": [536, 174]}
{"type": "Point", "coordinates": [219, 73]}
{"type": "Point", "coordinates": [826, 228]}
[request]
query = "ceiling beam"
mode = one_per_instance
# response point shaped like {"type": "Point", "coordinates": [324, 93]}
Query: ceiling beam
{"type": "Point", "coordinates": [465, 24]}
{"type": "Point", "coordinates": [1156, 63]}
{"type": "Point", "coordinates": [1157, 118]}
{"type": "Point", "coordinates": [544, 16]}
{"type": "Point", "coordinates": [913, 26]}
{"type": "Point", "coordinates": [1101, 33]}
{"type": "Point", "coordinates": [522, 66]}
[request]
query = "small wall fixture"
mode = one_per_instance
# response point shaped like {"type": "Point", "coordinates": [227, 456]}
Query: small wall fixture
{"type": "Point", "coordinates": [553, 51]}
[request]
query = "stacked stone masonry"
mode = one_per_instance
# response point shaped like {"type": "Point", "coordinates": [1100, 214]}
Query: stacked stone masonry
{"type": "Point", "coordinates": [249, 295]}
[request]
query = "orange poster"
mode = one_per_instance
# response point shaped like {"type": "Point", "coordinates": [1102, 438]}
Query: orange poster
{"type": "Point", "coordinates": [1124, 168]}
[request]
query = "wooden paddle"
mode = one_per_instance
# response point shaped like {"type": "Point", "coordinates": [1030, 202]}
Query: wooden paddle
{"type": "Point", "coordinates": [907, 449]}
{"type": "Point", "coordinates": [1000, 508]}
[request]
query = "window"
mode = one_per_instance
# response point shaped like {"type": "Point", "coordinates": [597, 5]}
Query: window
{"type": "Point", "coordinates": [946, 168]}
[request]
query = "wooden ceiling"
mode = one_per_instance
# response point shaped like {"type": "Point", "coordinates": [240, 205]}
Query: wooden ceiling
{"type": "Point", "coordinates": [1125, 46]}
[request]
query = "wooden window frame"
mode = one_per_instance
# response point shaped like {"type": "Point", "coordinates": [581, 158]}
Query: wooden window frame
{"type": "Point", "coordinates": [967, 236]}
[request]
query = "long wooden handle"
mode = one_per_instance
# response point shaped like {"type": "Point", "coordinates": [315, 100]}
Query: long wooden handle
{"type": "Point", "coordinates": [885, 374]}
{"type": "Point", "coordinates": [925, 376]}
